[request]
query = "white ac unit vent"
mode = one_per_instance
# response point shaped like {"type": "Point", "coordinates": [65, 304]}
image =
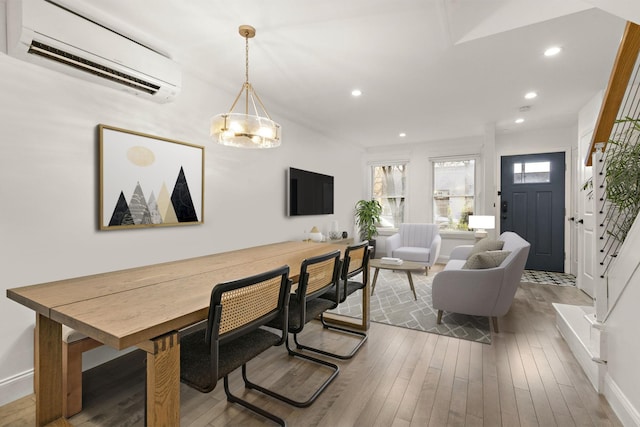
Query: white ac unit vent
{"type": "Point", "coordinates": [45, 33]}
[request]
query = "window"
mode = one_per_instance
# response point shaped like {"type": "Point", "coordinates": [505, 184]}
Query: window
{"type": "Point", "coordinates": [453, 193]}
{"type": "Point", "coordinates": [389, 188]}
{"type": "Point", "coordinates": [530, 173]}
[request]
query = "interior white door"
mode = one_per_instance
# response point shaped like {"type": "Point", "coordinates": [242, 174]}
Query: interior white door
{"type": "Point", "coordinates": [585, 220]}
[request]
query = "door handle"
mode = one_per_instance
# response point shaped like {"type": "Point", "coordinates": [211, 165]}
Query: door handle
{"type": "Point", "coordinates": [580, 221]}
{"type": "Point", "coordinates": [573, 218]}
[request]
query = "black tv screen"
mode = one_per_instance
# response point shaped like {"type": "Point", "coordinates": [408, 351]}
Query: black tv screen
{"type": "Point", "coordinates": [309, 193]}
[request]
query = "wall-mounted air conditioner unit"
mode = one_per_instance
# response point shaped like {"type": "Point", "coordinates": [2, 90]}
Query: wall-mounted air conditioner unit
{"type": "Point", "coordinates": [46, 33]}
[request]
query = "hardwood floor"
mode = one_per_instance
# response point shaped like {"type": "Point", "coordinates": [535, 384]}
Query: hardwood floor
{"type": "Point", "coordinates": [400, 378]}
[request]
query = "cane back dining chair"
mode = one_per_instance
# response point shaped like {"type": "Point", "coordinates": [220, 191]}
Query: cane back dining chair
{"type": "Point", "coordinates": [355, 262]}
{"type": "Point", "coordinates": [234, 334]}
{"type": "Point", "coordinates": [317, 275]}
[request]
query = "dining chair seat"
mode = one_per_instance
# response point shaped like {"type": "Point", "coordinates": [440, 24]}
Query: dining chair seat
{"type": "Point", "coordinates": [314, 308]}
{"type": "Point", "coordinates": [195, 366]}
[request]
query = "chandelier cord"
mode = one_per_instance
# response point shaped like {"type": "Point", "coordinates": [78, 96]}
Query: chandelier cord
{"type": "Point", "coordinates": [246, 64]}
{"type": "Point", "coordinates": [247, 86]}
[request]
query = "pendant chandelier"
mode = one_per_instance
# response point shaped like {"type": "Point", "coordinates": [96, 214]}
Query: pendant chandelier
{"type": "Point", "coordinates": [246, 130]}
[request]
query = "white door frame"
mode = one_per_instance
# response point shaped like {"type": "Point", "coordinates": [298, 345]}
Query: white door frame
{"type": "Point", "coordinates": [573, 220]}
{"type": "Point", "coordinates": [585, 219]}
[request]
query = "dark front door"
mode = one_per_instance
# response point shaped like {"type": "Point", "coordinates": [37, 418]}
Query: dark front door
{"type": "Point", "coordinates": [532, 205]}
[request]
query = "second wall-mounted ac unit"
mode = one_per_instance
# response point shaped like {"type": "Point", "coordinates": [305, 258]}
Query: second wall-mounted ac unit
{"type": "Point", "coordinates": [45, 33]}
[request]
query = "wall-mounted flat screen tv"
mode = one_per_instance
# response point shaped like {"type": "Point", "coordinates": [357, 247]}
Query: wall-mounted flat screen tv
{"type": "Point", "coordinates": [309, 193]}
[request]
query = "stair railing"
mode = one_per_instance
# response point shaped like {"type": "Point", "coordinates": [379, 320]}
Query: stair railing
{"type": "Point", "coordinates": [615, 157]}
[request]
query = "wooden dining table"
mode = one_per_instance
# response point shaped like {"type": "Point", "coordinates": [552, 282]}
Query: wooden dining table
{"type": "Point", "coordinates": [145, 307]}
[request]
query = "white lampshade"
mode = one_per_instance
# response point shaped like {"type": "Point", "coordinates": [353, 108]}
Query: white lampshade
{"type": "Point", "coordinates": [245, 131]}
{"type": "Point", "coordinates": [482, 222]}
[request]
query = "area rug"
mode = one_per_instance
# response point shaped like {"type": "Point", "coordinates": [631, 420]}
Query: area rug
{"type": "Point", "coordinates": [393, 304]}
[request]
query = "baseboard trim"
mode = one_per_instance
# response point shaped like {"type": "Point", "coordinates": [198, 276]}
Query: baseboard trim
{"type": "Point", "coordinates": [575, 330]}
{"type": "Point", "coordinates": [16, 386]}
{"type": "Point", "coordinates": [624, 409]}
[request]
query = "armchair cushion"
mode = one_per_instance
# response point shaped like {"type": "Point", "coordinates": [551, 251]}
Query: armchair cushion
{"type": "Point", "coordinates": [411, 253]}
{"type": "Point", "coordinates": [486, 259]}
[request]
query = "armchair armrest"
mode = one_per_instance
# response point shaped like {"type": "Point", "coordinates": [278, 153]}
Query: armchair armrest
{"type": "Point", "coordinates": [434, 251]}
{"type": "Point", "coordinates": [461, 252]}
{"type": "Point", "coordinates": [392, 243]}
{"type": "Point", "coordinates": [472, 292]}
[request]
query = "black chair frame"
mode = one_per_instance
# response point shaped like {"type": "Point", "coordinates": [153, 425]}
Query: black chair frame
{"type": "Point", "coordinates": [305, 306]}
{"type": "Point", "coordinates": [214, 340]}
{"type": "Point", "coordinates": [351, 266]}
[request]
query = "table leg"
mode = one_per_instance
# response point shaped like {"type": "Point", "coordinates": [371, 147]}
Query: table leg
{"type": "Point", "coordinates": [352, 322]}
{"type": "Point", "coordinates": [375, 279]}
{"type": "Point", "coordinates": [163, 381]}
{"type": "Point", "coordinates": [366, 300]}
{"type": "Point", "coordinates": [48, 370]}
{"type": "Point", "coordinates": [413, 289]}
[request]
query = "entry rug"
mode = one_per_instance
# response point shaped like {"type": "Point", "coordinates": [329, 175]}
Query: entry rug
{"type": "Point", "coordinates": [393, 304]}
{"type": "Point", "coordinates": [548, 278]}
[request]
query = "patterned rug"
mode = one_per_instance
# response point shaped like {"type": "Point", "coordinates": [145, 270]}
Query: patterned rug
{"type": "Point", "coordinates": [548, 278]}
{"type": "Point", "coordinates": [393, 304]}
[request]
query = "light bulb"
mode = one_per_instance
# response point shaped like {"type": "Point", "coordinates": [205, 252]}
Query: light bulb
{"type": "Point", "coordinates": [552, 51]}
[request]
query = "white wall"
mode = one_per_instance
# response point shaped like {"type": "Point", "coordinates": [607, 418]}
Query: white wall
{"type": "Point", "coordinates": [418, 207]}
{"type": "Point", "coordinates": [49, 189]}
{"type": "Point", "coordinates": [489, 147]}
{"type": "Point", "coordinates": [623, 339]}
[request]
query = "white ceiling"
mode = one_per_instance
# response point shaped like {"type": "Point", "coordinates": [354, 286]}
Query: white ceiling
{"type": "Point", "coordinates": [435, 69]}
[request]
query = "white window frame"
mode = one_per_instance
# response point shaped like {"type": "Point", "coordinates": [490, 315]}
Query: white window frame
{"type": "Point", "coordinates": [371, 166]}
{"type": "Point", "coordinates": [477, 176]}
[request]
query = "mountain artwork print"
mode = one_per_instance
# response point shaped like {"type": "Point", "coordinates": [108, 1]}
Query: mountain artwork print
{"type": "Point", "coordinates": [148, 181]}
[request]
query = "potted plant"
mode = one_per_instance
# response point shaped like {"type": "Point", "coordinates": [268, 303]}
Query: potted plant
{"type": "Point", "coordinates": [367, 216]}
{"type": "Point", "coordinates": [622, 178]}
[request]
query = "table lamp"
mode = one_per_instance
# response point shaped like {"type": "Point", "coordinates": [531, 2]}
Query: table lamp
{"type": "Point", "coordinates": [481, 223]}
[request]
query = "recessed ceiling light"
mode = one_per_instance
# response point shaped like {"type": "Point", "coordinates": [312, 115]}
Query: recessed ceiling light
{"type": "Point", "coordinates": [402, 134]}
{"type": "Point", "coordinates": [520, 120]}
{"type": "Point", "coordinates": [356, 92]}
{"type": "Point", "coordinates": [530, 95]}
{"type": "Point", "coordinates": [552, 51]}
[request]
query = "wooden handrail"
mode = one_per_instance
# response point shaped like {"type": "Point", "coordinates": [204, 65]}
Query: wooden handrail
{"type": "Point", "coordinates": [618, 82]}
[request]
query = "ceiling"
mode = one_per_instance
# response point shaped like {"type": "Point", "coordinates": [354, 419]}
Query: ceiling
{"type": "Point", "coordinates": [434, 69]}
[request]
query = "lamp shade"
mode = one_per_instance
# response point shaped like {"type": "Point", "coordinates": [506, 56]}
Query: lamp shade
{"type": "Point", "coordinates": [482, 222]}
{"type": "Point", "coordinates": [245, 131]}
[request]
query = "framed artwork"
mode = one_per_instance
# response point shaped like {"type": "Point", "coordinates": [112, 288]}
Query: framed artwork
{"type": "Point", "coordinates": [149, 181]}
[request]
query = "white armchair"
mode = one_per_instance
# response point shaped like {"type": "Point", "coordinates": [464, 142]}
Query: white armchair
{"type": "Point", "coordinates": [415, 242]}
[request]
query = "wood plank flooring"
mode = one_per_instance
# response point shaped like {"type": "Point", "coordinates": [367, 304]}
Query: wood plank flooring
{"type": "Point", "coordinates": [400, 378]}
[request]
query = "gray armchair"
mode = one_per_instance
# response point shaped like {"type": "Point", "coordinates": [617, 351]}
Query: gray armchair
{"type": "Point", "coordinates": [480, 291]}
{"type": "Point", "coordinates": [415, 242]}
